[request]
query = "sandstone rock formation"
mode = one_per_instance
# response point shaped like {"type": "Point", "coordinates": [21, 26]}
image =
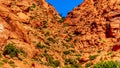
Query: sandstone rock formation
{"type": "Point", "coordinates": [18, 26]}
{"type": "Point", "coordinates": [98, 24]}
{"type": "Point", "coordinates": [34, 35]}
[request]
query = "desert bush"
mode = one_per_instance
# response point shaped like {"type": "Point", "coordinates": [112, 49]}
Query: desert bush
{"type": "Point", "coordinates": [40, 46]}
{"type": "Point", "coordinates": [69, 39]}
{"type": "Point", "coordinates": [32, 7]}
{"type": "Point", "coordinates": [68, 52]}
{"type": "Point", "coordinates": [11, 50]}
{"type": "Point", "coordinates": [70, 63]}
{"type": "Point", "coordinates": [51, 39]}
{"type": "Point", "coordinates": [1, 64]}
{"type": "Point", "coordinates": [62, 20]}
{"type": "Point", "coordinates": [87, 65]}
{"type": "Point", "coordinates": [51, 61]}
{"type": "Point", "coordinates": [92, 57]}
{"type": "Point", "coordinates": [107, 64]}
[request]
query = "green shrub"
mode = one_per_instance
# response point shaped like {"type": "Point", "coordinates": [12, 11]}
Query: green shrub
{"type": "Point", "coordinates": [64, 44]}
{"type": "Point", "coordinates": [62, 20]}
{"type": "Point", "coordinates": [51, 61]}
{"type": "Point", "coordinates": [87, 65]}
{"type": "Point", "coordinates": [44, 24]}
{"type": "Point", "coordinates": [107, 64]}
{"type": "Point", "coordinates": [11, 50]}
{"type": "Point", "coordinates": [47, 34]}
{"type": "Point", "coordinates": [92, 57]}
{"type": "Point", "coordinates": [49, 58]}
{"type": "Point", "coordinates": [71, 63]}
{"type": "Point", "coordinates": [0, 55]}
{"type": "Point", "coordinates": [47, 43]}
{"type": "Point", "coordinates": [72, 45]}
{"type": "Point", "coordinates": [32, 7]}
{"type": "Point", "coordinates": [56, 63]}
{"type": "Point", "coordinates": [1, 64]}
{"type": "Point", "coordinates": [68, 52]}
{"type": "Point", "coordinates": [69, 39]}
{"type": "Point", "coordinates": [78, 54]}
{"type": "Point", "coordinates": [52, 40]}
{"type": "Point", "coordinates": [12, 64]}
{"type": "Point", "coordinates": [39, 46]}
{"type": "Point", "coordinates": [22, 52]}
{"type": "Point", "coordinates": [5, 60]}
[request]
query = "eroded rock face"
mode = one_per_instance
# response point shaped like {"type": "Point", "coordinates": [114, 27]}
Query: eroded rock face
{"type": "Point", "coordinates": [3, 33]}
{"type": "Point", "coordinates": [20, 20]}
{"type": "Point", "coordinates": [95, 11]}
{"type": "Point", "coordinates": [96, 21]}
{"type": "Point", "coordinates": [16, 14]}
{"type": "Point", "coordinates": [90, 33]}
{"type": "Point", "coordinates": [96, 16]}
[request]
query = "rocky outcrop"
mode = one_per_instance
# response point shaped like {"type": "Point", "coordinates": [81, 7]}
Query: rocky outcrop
{"type": "Point", "coordinates": [96, 16]}
{"type": "Point", "coordinates": [96, 21]}
{"type": "Point", "coordinates": [18, 22]}
{"type": "Point", "coordinates": [33, 35]}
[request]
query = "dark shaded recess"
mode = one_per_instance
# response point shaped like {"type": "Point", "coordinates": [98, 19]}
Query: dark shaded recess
{"type": "Point", "coordinates": [9, 5]}
{"type": "Point", "coordinates": [72, 15]}
{"type": "Point", "coordinates": [109, 33]}
{"type": "Point", "coordinates": [81, 19]}
{"type": "Point", "coordinates": [104, 12]}
{"type": "Point", "coordinates": [93, 26]}
{"type": "Point", "coordinates": [116, 47]}
{"type": "Point", "coordinates": [88, 41]}
{"type": "Point", "coordinates": [77, 33]}
{"type": "Point", "coordinates": [95, 3]}
{"type": "Point", "coordinates": [27, 10]}
{"type": "Point", "coordinates": [33, 64]}
{"type": "Point", "coordinates": [107, 19]}
{"type": "Point", "coordinates": [118, 15]}
{"type": "Point", "coordinates": [7, 19]}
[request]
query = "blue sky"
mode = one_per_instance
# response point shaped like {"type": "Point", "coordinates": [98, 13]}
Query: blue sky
{"type": "Point", "coordinates": [64, 6]}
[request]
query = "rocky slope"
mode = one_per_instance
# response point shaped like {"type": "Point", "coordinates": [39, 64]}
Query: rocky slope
{"type": "Point", "coordinates": [34, 35]}
{"type": "Point", "coordinates": [21, 23]}
{"type": "Point", "coordinates": [97, 22]}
